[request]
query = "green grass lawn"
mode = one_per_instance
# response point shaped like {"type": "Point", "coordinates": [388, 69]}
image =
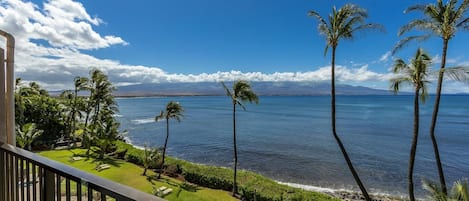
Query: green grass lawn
{"type": "Point", "coordinates": [131, 175]}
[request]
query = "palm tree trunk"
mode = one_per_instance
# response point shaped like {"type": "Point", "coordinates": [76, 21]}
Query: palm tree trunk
{"type": "Point", "coordinates": [235, 187]}
{"type": "Point", "coordinates": [87, 118]}
{"type": "Point", "coordinates": [339, 142]}
{"type": "Point", "coordinates": [164, 148]}
{"type": "Point", "coordinates": [144, 171]}
{"type": "Point", "coordinates": [413, 147]}
{"type": "Point", "coordinates": [435, 117]}
{"type": "Point", "coordinates": [74, 110]}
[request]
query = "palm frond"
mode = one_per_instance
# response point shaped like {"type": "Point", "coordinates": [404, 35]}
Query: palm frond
{"type": "Point", "coordinates": [418, 7]}
{"type": "Point", "coordinates": [463, 24]}
{"type": "Point", "coordinates": [325, 50]}
{"type": "Point", "coordinates": [404, 42]}
{"type": "Point", "coordinates": [460, 190]}
{"type": "Point", "coordinates": [240, 103]}
{"type": "Point", "coordinates": [462, 9]}
{"type": "Point", "coordinates": [458, 73]}
{"type": "Point", "coordinates": [399, 65]}
{"type": "Point", "coordinates": [435, 191]}
{"type": "Point", "coordinates": [313, 13]}
{"type": "Point", "coordinates": [370, 26]}
{"type": "Point", "coordinates": [160, 117]}
{"type": "Point", "coordinates": [419, 24]}
{"type": "Point", "coordinates": [397, 82]}
{"type": "Point", "coordinates": [423, 93]}
{"type": "Point", "coordinates": [228, 92]}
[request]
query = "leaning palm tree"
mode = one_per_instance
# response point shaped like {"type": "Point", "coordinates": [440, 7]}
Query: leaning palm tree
{"type": "Point", "coordinates": [459, 192]}
{"type": "Point", "coordinates": [240, 93]}
{"type": "Point", "coordinates": [415, 73]}
{"type": "Point", "coordinates": [343, 24]}
{"type": "Point", "coordinates": [442, 20]}
{"type": "Point", "coordinates": [173, 111]}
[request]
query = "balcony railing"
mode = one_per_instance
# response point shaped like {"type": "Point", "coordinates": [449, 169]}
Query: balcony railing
{"type": "Point", "coordinates": [28, 176]}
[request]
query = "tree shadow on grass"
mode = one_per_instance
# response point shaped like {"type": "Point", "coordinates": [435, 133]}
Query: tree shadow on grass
{"type": "Point", "coordinates": [184, 185]}
{"type": "Point", "coordinates": [110, 161]}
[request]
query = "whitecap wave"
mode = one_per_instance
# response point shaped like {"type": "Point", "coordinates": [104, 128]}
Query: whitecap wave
{"type": "Point", "coordinates": [128, 141]}
{"type": "Point", "coordinates": [311, 188]}
{"type": "Point", "coordinates": [143, 121]}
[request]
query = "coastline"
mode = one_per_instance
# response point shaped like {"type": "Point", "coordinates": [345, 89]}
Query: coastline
{"type": "Point", "coordinates": [343, 194]}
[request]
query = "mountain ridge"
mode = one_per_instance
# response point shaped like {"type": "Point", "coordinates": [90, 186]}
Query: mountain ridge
{"type": "Point", "coordinates": [261, 88]}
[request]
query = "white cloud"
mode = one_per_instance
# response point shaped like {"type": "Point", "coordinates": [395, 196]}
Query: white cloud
{"type": "Point", "coordinates": [385, 56]}
{"type": "Point", "coordinates": [50, 39]}
{"type": "Point", "coordinates": [62, 23]}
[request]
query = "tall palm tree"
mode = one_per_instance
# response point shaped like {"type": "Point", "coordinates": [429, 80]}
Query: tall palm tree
{"type": "Point", "coordinates": [173, 111]}
{"type": "Point", "coordinates": [80, 83]}
{"type": "Point", "coordinates": [442, 20]}
{"type": "Point", "coordinates": [101, 104]}
{"type": "Point", "coordinates": [342, 24]}
{"type": "Point", "coordinates": [414, 74]}
{"type": "Point", "coordinates": [241, 92]}
{"type": "Point", "coordinates": [101, 95]}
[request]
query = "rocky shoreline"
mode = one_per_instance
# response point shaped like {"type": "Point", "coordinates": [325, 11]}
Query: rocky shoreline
{"type": "Point", "coordinates": [355, 196]}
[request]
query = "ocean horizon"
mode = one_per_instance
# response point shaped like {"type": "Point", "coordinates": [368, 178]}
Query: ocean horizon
{"type": "Point", "coordinates": [288, 138]}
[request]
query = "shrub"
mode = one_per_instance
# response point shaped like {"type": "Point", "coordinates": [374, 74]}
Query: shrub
{"type": "Point", "coordinates": [173, 170]}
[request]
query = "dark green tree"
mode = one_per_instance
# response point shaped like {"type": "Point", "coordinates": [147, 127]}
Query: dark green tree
{"type": "Point", "coordinates": [415, 74]}
{"type": "Point", "coordinates": [442, 20]}
{"type": "Point", "coordinates": [34, 105]}
{"type": "Point", "coordinates": [26, 135]}
{"type": "Point", "coordinates": [241, 92]}
{"type": "Point", "coordinates": [173, 111]}
{"type": "Point", "coordinates": [342, 24]}
{"type": "Point", "coordinates": [105, 135]}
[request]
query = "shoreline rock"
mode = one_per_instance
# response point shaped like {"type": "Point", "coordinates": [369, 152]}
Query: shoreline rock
{"type": "Point", "coordinates": [356, 196]}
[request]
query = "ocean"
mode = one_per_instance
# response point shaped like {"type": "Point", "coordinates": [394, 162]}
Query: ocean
{"type": "Point", "coordinates": [288, 138]}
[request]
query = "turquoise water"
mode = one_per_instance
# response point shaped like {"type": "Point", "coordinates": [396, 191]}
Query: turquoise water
{"type": "Point", "coordinates": [289, 138]}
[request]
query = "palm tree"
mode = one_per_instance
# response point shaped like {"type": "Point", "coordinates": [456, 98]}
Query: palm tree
{"type": "Point", "coordinates": [27, 134]}
{"type": "Point", "coordinates": [101, 95]}
{"type": "Point", "coordinates": [442, 20]}
{"type": "Point", "coordinates": [67, 110]}
{"type": "Point", "coordinates": [173, 111]}
{"type": "Point", "coordinates": [343, 24]}
{"type": "Point", "coordinates": [459, 192]}
{"type": "Point", "coordinates": [80, 83]}
{"type": "Point", "coordinates": [101, 104]}
{"type": "Point", "coordinates": [414, 74]}
{"type": "Point", "coordinates": [240, 93]}
{"type": "Point", "coordinates": [150, 155]}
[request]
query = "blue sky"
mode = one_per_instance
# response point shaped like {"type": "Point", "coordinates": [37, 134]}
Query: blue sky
{"type": "Point", "coordinates": [205, 40]}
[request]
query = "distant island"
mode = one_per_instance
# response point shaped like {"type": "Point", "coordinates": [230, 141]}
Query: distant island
{"type": "Point", "coordinates": [262, 88]}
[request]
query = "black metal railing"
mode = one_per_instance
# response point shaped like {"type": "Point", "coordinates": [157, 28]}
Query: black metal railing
{"type": "Point", "coordinates": [25, 176]}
